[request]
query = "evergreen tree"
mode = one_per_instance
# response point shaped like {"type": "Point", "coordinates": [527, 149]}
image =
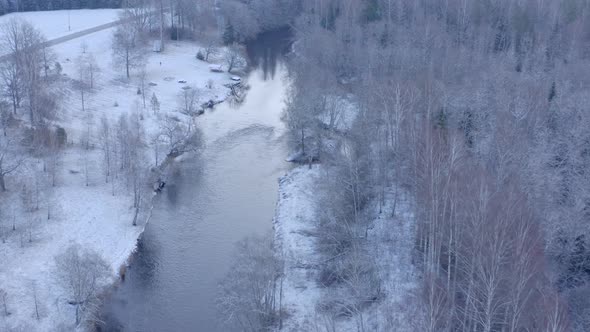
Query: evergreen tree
{"type": "Point", "coordinates": [229, 34]}
{"type": "Point", "coordinates": [372, 12]}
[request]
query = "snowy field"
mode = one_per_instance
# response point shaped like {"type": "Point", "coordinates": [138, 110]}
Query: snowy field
{"type": "Point", "coordinates": [391, 236]}
{"type": "Point", "coordinates": [54, 24]}
{"type": "Point", "coordinates": [115, 95]}
{"type": "Point", "coordinates": [89, 215]}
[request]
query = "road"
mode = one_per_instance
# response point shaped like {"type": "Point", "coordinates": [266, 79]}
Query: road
{"type": "Point", "coordinates": [82, 33]}
{"type": "Point", "coordinates": [74, 35]}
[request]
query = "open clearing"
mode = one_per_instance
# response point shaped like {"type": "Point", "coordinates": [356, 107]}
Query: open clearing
{"type": "Point", "coordinates": [54, 24]}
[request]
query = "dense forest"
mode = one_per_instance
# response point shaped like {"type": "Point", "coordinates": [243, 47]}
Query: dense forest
{"type": "Point", "coordinates": [475, 110]}
{"type": "Point", "coordinates": [10, 6]}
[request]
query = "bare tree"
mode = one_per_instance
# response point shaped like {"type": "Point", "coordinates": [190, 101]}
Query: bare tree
{"type": "Point", "coordinates": [131, 150]}
{"type": "Point", "coordinates": [180, 138]}
{"type": "Point", "coordinates": [241, 20]}
{"type": "Point", "coordinates": [5, 118]}
{"type": "Point", "coordinates": [159, 4]}
{"type": "Point", "coordinates": [35, 299]}
{"type": "Point", "coordinates": [87, 69]}
{"type": "Point", "coordinates": [10, 160]}
{"type": "Point", "coordinates": [233, 57]}
{"type": "Point", "coordinates": [143, 84]}
{"type": "Point", "coordinates": [137, 13]}
{"type": "Point", "coordinates": [248, 296]}
{"type": "Point", "coordinates": [83, 88]}
{"type": "Point", "coordinates": [22, 72]}
{"type": "Point", "coordinates": [53, 158]}
{"type": "Point", "coordinates": [211, 47]}
{"type": "Point", "coordinates": [300, 117]}
{"type": "Point", "coordinates": [49, 58]}
{"type": "Point", "coordinates": [82, 273]}
{"type": "Point", "coordinates": [11, 78]}
{"type": "Point", "coordinates": [32, 66]}
{"type": "Point", "coordinates": [11, 69]}
{"type": "Point", "coordinates": [128, 51]}
{"type": "Point", "coordinates": [89, 124]}
{"type": "Point", "coordinates": [157, 141]}
{"type": "Point", "coordinates": [155, 103]}
{"type": "Point", "coordinates": [4, 296]}
{"type": "Point", "coordinates": [189, 100]}
{"type": "Point", "coordinates": [106, 142]}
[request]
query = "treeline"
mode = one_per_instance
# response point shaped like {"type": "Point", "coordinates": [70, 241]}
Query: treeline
{"type": "Point", "coordinates": [11, 6]}
{"type": "Point", "coordinates": [245, 19]}
{"type": "Point", "coordinates": [477, 110]}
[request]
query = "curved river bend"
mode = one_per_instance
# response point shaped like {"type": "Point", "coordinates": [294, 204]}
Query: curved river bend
{"type": "Point", "coordinates": [210, 202]}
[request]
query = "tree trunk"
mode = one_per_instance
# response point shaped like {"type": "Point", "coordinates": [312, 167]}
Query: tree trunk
{"type": "Point", "coordinates": [135, 216]}
{"type": "Point", "coordinates": [77, 314]}
{"type": "Point", "coordinates": [2, 183]}
{"type": "Point", "coordinates": [14, 104]}
{"type": "Point", "coordinates": [82, 92]}
{"type": "Point", "coordinates": [31, 112]}
{"type": "Point", "coordinates": [161, 26]}
{"type": "Point", "coordinates": [127, 63]}
{"type": "Point", "coordinates": [302, 141]}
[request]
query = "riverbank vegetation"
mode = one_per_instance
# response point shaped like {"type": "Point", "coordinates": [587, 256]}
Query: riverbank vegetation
{"type": "Point", "coordinates": [476, 111]}
{"type": "Point", "coordinates": [250, 296]}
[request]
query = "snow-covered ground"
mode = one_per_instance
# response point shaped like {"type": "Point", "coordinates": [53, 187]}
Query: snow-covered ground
{"type": "Point", "coordinates": [54, 24]}
{"type": "Point", "coordinates": [294, 229]}
{"type": "Point", "coordinates": [88, 215]}
{"type": "Point", "coordinates": [164, 69]}
{"type": "Point", "coordinates": [390, 239]}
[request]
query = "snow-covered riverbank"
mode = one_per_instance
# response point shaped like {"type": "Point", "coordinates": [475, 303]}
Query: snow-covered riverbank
{"type": "Point", "coordinates": [83, 209]}
{"type": "Point", "coordinates": [390, 237]}
{"type": "Point", "coordinates": [294, 234]}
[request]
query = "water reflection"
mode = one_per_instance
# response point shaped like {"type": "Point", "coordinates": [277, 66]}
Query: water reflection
{"type": "Point", "coordinates": [145, 264]}
{"type": "Point", "coordinates": [267, 50]}
{"type": "Point", "coordinates": [208, 204]}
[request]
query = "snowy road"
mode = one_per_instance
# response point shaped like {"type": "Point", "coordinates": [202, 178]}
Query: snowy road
{"type": "Point", "coordinates": [85, 32]}
{"type": "Point", "coordinates": [75, 35]}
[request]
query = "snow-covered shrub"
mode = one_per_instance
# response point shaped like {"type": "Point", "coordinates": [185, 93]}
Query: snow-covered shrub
{"type": "Point", "coordinates": [200, 55]}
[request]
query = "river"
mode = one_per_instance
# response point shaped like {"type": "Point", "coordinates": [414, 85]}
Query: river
{"type": "Point", "coordinates": [210, 202]}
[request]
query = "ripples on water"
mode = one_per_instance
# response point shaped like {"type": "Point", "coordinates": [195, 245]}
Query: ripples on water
{"type": "Point", "coordinates": [209, 203]}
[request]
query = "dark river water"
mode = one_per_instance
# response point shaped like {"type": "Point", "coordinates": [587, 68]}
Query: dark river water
{"type": "Point", "coordinates": [210, 202]}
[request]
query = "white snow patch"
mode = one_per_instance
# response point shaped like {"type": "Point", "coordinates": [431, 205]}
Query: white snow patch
{"type": "Point", "coordinates": [294, 226]}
